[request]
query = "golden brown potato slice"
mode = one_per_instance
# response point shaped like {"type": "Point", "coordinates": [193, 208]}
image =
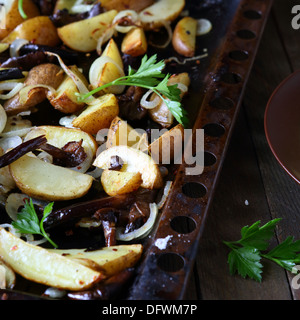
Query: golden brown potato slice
{"type": "Point", "coordinates": [184, 37]}
{"type": "Point", "coordinates": [109, 260]}
{"type": "Point", "coordinates": [49, 268]}
{"type": "Point", "coordinates": [168, 146]}
{"type": "Point", "coordinates": [65, 99]}
{"type": "Point", "coordinates": [60, 136]}
{"type": "Point", "coordinates": [39, 30]}
{"type": "Point", "coordinates": [120, 182]}
{"type": "Point", "coordinates": [135, 42]}
{"type": "Point", "coordinates": [13, 17]}
{"type": "Point", "coordinates": [119, 5]}
{"type": "Point", "coordinates": [106, 68]}
{"type": "Point", "coordinates": [153, 17]}
{"type": "Point", "coordinates": [98, 115]}
{"type": "Point", "coordinates": [82, 35]}
{"type": "Point", "coordinates": [42, 180]}
{"type": "Point", "coordinates": [45, 74]}
{"type": "Point", "coordinates": [134, 161]}
{"type": "Point", "coordinates": [121, 133]}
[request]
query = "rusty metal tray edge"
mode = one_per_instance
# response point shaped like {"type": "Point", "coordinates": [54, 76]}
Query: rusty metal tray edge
{"type": "Point", "coordinates": [165, 272]}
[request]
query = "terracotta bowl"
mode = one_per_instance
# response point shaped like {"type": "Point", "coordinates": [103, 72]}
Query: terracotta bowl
{"type": "Point", "coordinates": [282, 124]}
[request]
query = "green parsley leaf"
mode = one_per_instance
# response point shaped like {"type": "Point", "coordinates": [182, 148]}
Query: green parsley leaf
{"type": "Point", "coordinates": [256, 236]}
{"type": "Point", "coordinates": [246, 253]}
{"type": "Point", "coordinates": [28, 222]}
{"type": "Point", "coordinates": [286, 254]}
{"type": "Point", "coordinates": [148, 76]}
{"type": "Point", "coordinates": [246, 262]}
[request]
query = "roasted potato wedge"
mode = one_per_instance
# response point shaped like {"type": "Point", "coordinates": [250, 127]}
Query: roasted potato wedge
{"type": "Point", "coordinates": [168, 146]}
{"type": "Point", "coordinates": [121, 133]}
{"type": "Point", "coordinates": [98, 115]}
{"type": "Point", "coordinates": [184, 37]}
{"type": "Point", "coordinates": [64, 99]}
{"type": "Point", "coordinates": [59, 136]}
{"type": "Point", "coordinates": [42, 180]}
{"type": "Point", "coordinates": [161, 114]}
{"type": "Point", "coordinates": [45, 74]}
{"type": "Point", "coordinates": [120, 182]}
{"type": "Point", "coordinates": [135, 43]}
{"type": "Point", "coordinates": [107, 260]}
{"type": "Point", "coordinates": [102, 71]}
{"type": "Point", "coordinates": [82, 35]}
{"type": "Point", "coordinates": [119, 5]}
{"type": "Point", "coordinates": [39, 30]}
{"type": "Point", "coordinates": [45, 267]}
{"type": "Point", "coordinates": [153, 16]}
{"type": "Point", "coordinates": [134, 161]}
{"type": "Point", "coordinates": [7, 276]}
{"type": "Point", "coordinates": [13, 17]}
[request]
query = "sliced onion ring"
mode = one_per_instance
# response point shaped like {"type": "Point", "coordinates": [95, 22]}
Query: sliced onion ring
{"type": "Point", "coordinates": [152, 103]}
{"type": "Point", "coordinates": [141, 232]}
{"type": "Point", "coordinates": [96, 68]}
{"type": "Point", "coordinates": [23, 93]}
{"type": "Point", "coordinates": [167, 25]}
{"type": "Point", "coordinates": [122, 14]}
{"type": "Point", "coordinates": [16, 46]}
{"type": "Point", "coordinates": [3, 118]}
{"type": "Point", "coordinates": [16, 200]}
{"type": "Point", "coordinates": [15, 88]}
{"type": "Point", "coordinates": [204, 26]}
{"type": "Point", "coordinates": [78, 82]}
{"type": "Point", "coordinates": [165, 195]}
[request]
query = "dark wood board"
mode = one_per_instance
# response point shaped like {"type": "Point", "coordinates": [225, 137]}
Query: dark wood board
{"type": "Point", "coordinates": [252, 173]}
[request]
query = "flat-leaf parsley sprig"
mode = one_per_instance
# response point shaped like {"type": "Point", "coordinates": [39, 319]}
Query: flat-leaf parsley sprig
{"type": "Point", "coordinates": [149, 76]}
{"type": "Point", "coordinates": [28, 222]}
{"type": "Point", "coordinates": [246, 254]}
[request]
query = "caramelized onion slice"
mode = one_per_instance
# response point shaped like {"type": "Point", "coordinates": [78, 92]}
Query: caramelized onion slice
{"type": "Point", "coordinates": [141, 232]}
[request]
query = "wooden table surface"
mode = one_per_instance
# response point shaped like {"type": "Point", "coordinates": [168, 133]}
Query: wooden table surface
{"type": "Point", "coordinates": [252, 185]}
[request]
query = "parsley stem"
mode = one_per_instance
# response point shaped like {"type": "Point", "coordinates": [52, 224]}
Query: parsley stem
{"type": "Point", "coordinates": [43, 233]}
{"type": "Point", "coordinates": [21, 10]}
{"type": "Point", "coordinates": [117, 82]}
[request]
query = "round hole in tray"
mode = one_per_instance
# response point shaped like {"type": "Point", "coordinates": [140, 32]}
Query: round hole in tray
{"type": "Point", "coordinates": [170, 262]}
{"type": "Point", "coordinates": [209, 159]}
{"type": "Point", "coordinates": [214, 129]}
{"type": "Point", "coordinates": [183, 224]}
{"type": "Point", "coordinates": [252, 14]}
{"type": "Point", "coordinates": [238, 55]}
{"type": "Point", "coordinates": [231, 78]}
{"type": "Point", "coordinates": [222, 103]}
{"type": "Point", "coordinates": [194, 190]}
{"type": "Point", "coordinates": [246, 34]}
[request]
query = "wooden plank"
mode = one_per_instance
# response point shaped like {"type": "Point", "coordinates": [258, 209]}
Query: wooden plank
{"type": "Point", "coordinates": [290, 37]}
{"type": "Point", "coordinates": [274, 63]}
{"type": "Point", "coordinates": [240, 181]}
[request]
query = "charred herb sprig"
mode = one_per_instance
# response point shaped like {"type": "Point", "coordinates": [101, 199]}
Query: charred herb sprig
{"type": "Point", "coordinates": [28, 222]}
{"type": "Point", "coordinates": [246, 254]}
{"type": "Point", "coordinates": [149, 76]}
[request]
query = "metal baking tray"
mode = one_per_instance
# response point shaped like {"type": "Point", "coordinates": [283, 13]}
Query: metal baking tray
{"type": "Point", "coordinates": [218, 81]}
{"type": "Point", "coordinates": [214, 100]}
